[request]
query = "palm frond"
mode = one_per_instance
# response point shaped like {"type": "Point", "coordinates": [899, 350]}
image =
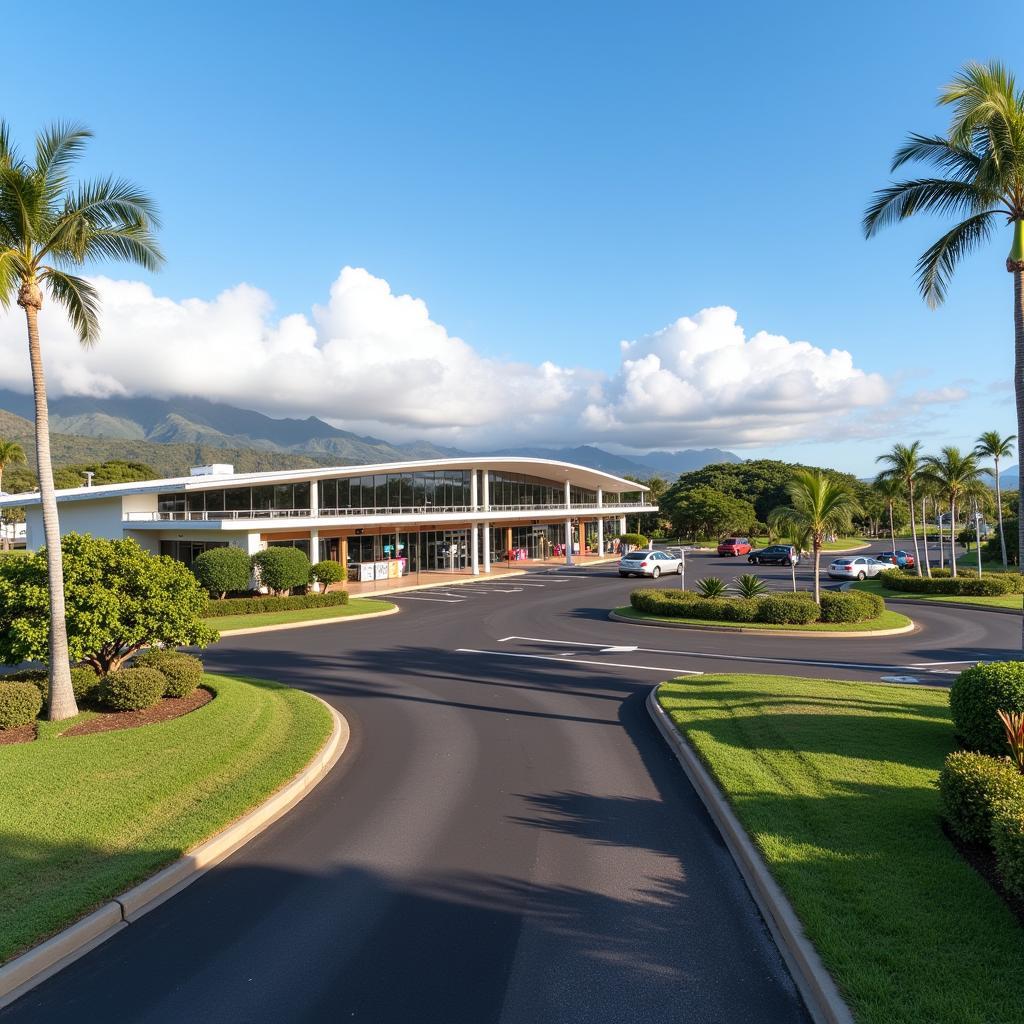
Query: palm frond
{"type": "Point", "coordinates": [962, 163]}
{"type": "Point", "coordinates": [12, 268]}
{"type": "Point", "coordinates": [107, 202]}
{"type": "Point", "coordinates": [980, 95]}
{"type": "Point", "coordinates": [936, 266]}
{"type": "Point", "coordinates": [79, 298]}
{"type": "Point", "coordinates": [925, 195]}
{"type": "Point", "coordinates": [57, 147]}
{"type": "Point", "coordinates": [8, 154]}
{"type": "Point", "coordinates": [22, 204]}
{"type": "Point", "coordinates": [131, 244]}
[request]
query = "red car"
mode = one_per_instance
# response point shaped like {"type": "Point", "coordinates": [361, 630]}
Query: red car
{"type": "Point", "coordinates": [734, 546]}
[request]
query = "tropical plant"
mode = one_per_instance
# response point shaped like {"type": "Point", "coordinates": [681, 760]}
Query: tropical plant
{"type": "Point", "coordinates": [903, 463]}
{"type": "Point", "coordinates": [711, 586]}
{"type": "Point", "coordinates": [991, 445]}
{"type": "Point", "coordinates": [749, 585]}
{"type": "Point", "coordinates": [957, 476]}
{"type": "Point", "coordinates": [48, 227]}
{"type": "Point", "coordinates": [11, 453]}
{"type": "Point", "coordinates": [819, 504]}
{"type": "Point", "coordinates": [1013, 723]}
{"type": "Point", "coordinates": [890, 489]}
{"type": "Point", "coordinates": [980, 164]}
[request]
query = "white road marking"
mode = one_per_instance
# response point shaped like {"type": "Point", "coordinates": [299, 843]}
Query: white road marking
{"type": "Point", "coordinates": [436, 600]}
{"type": "Point", "coordinates": [618, 650]}
{"type": "Point", "coordinates": [928, 664]}
{"type": "Point", "coordinates": [580, 661]}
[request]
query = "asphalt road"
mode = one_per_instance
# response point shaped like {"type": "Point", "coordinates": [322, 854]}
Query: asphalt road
{"type": "Point", "coordinates": [506, 839]}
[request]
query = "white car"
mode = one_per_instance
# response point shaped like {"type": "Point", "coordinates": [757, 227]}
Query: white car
{"type": "Point", "coordinates": [649, 563]}
{"type": "Point", "coordinates": [860, 567]}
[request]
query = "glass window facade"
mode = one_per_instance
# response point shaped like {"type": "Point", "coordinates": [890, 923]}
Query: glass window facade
{"type": "Point", "coordinates": [516, 490]}
{"type": "Point", "coordinates": [232, 502]}
{"type": "Point", "coordinates": [187, 550]}
{"type": "Point", "coordinates": [437, 489]}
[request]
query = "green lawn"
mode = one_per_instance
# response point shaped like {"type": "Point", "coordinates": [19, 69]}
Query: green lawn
{"type": "Point", "coordinates": [86, 817]}
{"type": "Point", "coordinates": [1014, 601]}
{"type": "Point", "coordinates": [887, 620]}
{"type": "Point", "coordinates": [356, 606]}
{"type": "Point", "coordinates": [835, 782]}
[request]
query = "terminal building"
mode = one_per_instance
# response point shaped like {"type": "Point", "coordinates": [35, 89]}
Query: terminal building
{"type": "Point", "coordinates": [396, 519]}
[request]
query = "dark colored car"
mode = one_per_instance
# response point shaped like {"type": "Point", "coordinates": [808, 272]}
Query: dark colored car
{"type": "Point", "coordinates": [776, 554]}
{"type": "Point", "coordinates": [904, 559]}
{"type": "Point", "coordinates": [735, 546]}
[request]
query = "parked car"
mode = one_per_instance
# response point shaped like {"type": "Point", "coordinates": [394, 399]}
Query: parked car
{"type": "Point", "coordinates": [649, 563]}
{"type": "Point", "coordinates": [860, 567]}
{"type": "Point", "coordinates": [776, 554]}
{"type": "Point", "coordinates": [904, 559]}
{"type": "Point", "coordinates": [735, 546]}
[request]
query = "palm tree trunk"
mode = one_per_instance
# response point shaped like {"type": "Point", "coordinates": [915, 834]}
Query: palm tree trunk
{"type": "Point", "coordinates": [1016, 267]}
{"type": "Point", "coordinates": [892, 531]}
{"type": "Point", "coordinates": [913, 531]}
{"type": "Point", "coordinates": [952, 535]}
{"type": "Point", "coordinates": [924, 535]}
{"type": "Point", "coordinates": [942, 550]}
{"type": "Point", "coordinates": [817, 569]}
{"type": "Point", "coordinates": [999, 515]}
{"type": "Point", "coordinates": [62, 696]}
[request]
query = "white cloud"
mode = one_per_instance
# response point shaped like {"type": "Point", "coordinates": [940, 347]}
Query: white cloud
{"type": "Point", "coordinates": [371, 360]}
{"type": "Point", "coordinates": [939, 396]}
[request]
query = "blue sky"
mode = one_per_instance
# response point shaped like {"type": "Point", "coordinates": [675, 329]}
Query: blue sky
{"type": "Point", "coordinates": [550, 180]}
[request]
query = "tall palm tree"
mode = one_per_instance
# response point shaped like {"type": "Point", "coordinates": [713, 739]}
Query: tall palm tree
{"type": "Point", "coordinates": [924, 490]}
{"type": "Point", "coordinates": [49, 225]}
{"type": "Point", "coordinates": [991, 445]}
{"type": "Point", "coordinates": [903, 464]}
{"type": "Point", "coordinates": [980, 177]}
{"type": "Point", "coordinates": [10, 453]}
{"type": "Point", "coordinates": [891, 490]}
{"type": "Point", "coordinates": [957, 475]}
{"type": "Point", "coordinates": [818, 504]}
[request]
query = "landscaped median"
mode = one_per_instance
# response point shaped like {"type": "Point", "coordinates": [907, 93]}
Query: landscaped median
{"type": "Point", "coordinates": [86, 817]}
{"type": "Point", "coordinates": [793, 613]}
{"type": "Point", "coordinates": [835, 783]}
{"type": "Point", "coordinates": [247, 613]}
{"type": "Point", "coordinates": [992, 590]}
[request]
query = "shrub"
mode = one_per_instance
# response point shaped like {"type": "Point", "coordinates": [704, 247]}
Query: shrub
{"type": "Point", "coordinates": [711, 586]}
{"type": "Point", "coordinates": [632, 540]}
{"type": "Point", "coordinates": [132, 689]}
{"type": "Point", "coordinates": [850, 606]}
{"type": "Point", "coordinates": [787, 609]}
{"type": "Point", "coordinates": [990, 584]}
{"type": "Point", "coordinates": [970, 787]}
{"type": "Point", "coordinates": [993, 552]}
{"type": "Point", "coordinates": [328, 572]}
{"type": "Point", "coordinates": [749, 585]}
{"type": "Point", "coordinates": [256, 605]}
{"type": "Point", "coordinates": [183, 672]}
{"type": "Point", "coordinates": [20, 703]}
{"type": "Point", "coordinates": [1007, 839]}
{"type": "Point", "coordinates": [280, 569]}
{"type": "Point", "coordinates": [976, 697]}
{"type": "Point", "coordinates": [221, 571]}
{"type": "Point", "coordinates": [85, 682]}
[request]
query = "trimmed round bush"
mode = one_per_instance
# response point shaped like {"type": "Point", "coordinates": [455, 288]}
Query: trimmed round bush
{"type": "Point", "coordinates": [971, 785]}
{"type": "Point", "coordinates": [85, 682]}
{"type": "Point", "coordinates": [132, 689]}
{"type": "Point", "coordinates": [328, 572]}
{"type": "Point", "coordinates": [975, 697]}
{"type": "Point", "coordinates": [20, 703]}
{"type": "Point", "coordinates": [850, 606]}
{"type": "Point", "coordinates": [1008, 845]}
{"type": "Point", "coordinates": [633, 540]}
{"type": "Point", "coordinates": [282, 568]}
{"type": "Point", "coordinates": [787, 610]}
{"type": "Point", "coordinates": [183, 672]}
{"type": "Point", "coordinates": [222, 571]}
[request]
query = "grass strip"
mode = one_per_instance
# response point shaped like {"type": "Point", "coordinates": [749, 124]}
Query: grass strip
{"type": "Point", "coordinates": [1013, 601]}
{"type": "Point", "coordinates": [835, 783]}
{"type": "Point", "coordinates": [86, 817]}
{"type": "Point", "coordinates": [356, 606]}
{"type": "Point", "coordinates": [887, 620]}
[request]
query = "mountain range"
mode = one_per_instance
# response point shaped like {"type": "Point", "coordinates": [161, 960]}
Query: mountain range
{"type": "Point", "coordinates": [180, 432]}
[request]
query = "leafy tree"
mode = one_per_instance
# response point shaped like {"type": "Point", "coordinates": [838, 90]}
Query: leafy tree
{"type": "Point", "coordinates": [706, 512]}
{"type": "Point", "coordinates": [956, 476]}
{"type": "Point", "coordinates": [120, 599]}
{"type": "Point", "coordinates": [47, 228]}
{"type": "Point", "coordinates": [10, 453]}
{"type": "Point", "coordinates": [221, 571]}
{"type": "Point", "coordinates": [280, 569]}
{"type": "Point", "coordinates": [991, 445]}
{"type": "Point", "coordinates": [980, 168]}
{"type": "Point", "coordinates": [651, 522]}
{"type": "Point", "coordinates": [819, 504]}
{"type": "Point", "coordinates": [903, 463]}
{"type": "Point", "coordinates": [112, 472]}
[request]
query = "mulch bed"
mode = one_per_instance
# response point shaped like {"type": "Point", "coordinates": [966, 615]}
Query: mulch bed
{"type": "Point", "coordinates": [169, 707]}
{"type": "Point", "coordinates": [983, 860]}
{"type": "Point", "coordinates": [23, 734]}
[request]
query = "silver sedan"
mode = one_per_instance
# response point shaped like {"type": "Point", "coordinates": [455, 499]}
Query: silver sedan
{"type": "Point", "coordinates": [861, 567]}
{"type": "Point", "coordinates": [649, 563]}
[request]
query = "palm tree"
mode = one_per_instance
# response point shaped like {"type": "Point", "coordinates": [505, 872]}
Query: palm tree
{"type": "Point", "coordinates": [48, 227]}
{"type": "Point", "coordinates": [957, 476]}
{"type": "Point", "coordinates": [924, 490]}
{"type": "Point", "coordinates": [818, 504]}
{"type": "Point", "coordinates": [902, 465]}
{"type": "Point", "coordinates": [992, 446]}
{"type": "Point", "coordinates": [980, 166]}
{"type": "Point", "coordinates": [891, 490]}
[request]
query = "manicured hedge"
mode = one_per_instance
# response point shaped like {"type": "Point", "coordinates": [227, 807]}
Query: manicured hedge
{"type": "Point", "coordinates": [183, 672]}
{"type": "Point", "coordinates": [990, 584]}
{"type": "Point", "coordinates": [132, 689]}
{"type": "Point", "coordinates": [771, 609]}
{"type": "Point", "coordinates": [256, 605]}
{"type": "Point", "coordinates": [84, 682]}
{"type": "Point", "coordinates": [1008, 845]}
{"type": "Point", "coordinates": [971, 786]}
{"type": "Point", "coordinates": [20, 703]}
{"type": "Point", "coordinates": [975, 697]}
{"type": "Point", "coordinates": [633, 540]}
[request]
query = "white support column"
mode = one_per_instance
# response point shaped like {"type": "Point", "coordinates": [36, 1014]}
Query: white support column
{"type": "Point", "coordinates": [622, 524]}
{"type": "Point", "coordinates": [486, 527]}
{"type": "Point", "coordinates": [568, 495]}
{"type": "Point", "coordinates": [568, 540]}
{"type": "Point", "coordinates": [473, 502]}
{"type": "Point", "coordinates": [485, 479]}
{"type": "Point", "coordinates": [314, 545]}
{"type": "Point", "coordinates": [474, 533]}
{"type": "Point", "coordinates": [600, 523]}
{"type": "Point", "coordinates": [314, 499]}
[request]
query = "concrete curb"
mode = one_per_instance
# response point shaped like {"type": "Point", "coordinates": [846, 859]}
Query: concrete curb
{"type": "Point", "coordinates": [816, 986]}
{"type": "Point", "coordinates": [24, 972]}
{"type": "Point", "coordinates": [310, 622]}
{"type": "Point", "coordinates": [809, 634]}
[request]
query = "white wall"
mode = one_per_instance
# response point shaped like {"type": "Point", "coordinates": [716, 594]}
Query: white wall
{"type": "Point", "coordinates": [101, 518]}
